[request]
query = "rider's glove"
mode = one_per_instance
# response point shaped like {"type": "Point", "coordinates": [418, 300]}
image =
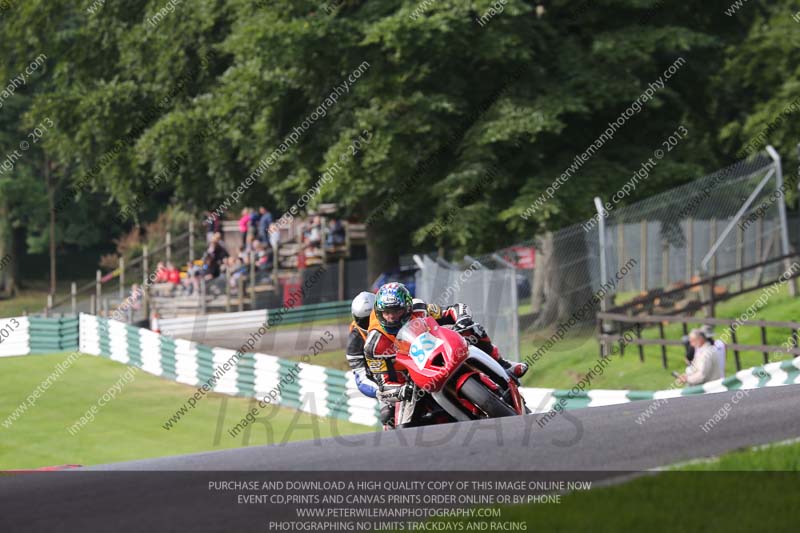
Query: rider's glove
{"type": "Point", "coordinates": [394, 393]}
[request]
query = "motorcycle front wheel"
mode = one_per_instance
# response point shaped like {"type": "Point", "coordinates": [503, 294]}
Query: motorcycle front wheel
{"type": "Point", "coordinates": [484, 399]}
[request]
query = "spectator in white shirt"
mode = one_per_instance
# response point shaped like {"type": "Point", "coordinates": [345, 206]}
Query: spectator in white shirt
{"type": "Point", "coordinates": [719, 346]}
{"type": "Point", "coordinates": [705, 365]}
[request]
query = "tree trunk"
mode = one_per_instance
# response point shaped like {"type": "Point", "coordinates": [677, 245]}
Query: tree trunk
{"type": "Point", "coordinates": [52, 210]}
{"type": "Point", "coordinates": [567, 279]}
{"type": "Point", "coordinates": [8, 257]}
{"type": "Point", "coordinates": [381, 252]}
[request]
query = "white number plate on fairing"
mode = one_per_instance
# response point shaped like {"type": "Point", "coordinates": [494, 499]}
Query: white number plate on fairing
{"type": "Point", "coordinates": [422, 348]}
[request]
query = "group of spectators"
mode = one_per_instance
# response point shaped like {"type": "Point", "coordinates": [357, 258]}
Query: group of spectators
{"type": "Point", "coordinates": [315, 236]}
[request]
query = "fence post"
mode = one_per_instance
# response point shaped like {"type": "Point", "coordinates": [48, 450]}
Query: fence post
{"type": "Point", "coordinates": [98, 287]}
{"type": "Point", "coordinates": [121, 278]}
{"type": "Point", "coordinates": [169, 247]}
{"type": "Point", "coordinates": [712, 297]}
{"type": "Point", "coordinates": [203, 294]}
{"type": "Point", "coordinates": [93, 304]}
{"type": "Point", "coordinates": [240, 287]}
{"type": "Point", "coordinates": [639, 336]}
{"type": "Point", "coordinates": [145, 284]}
{"type": "Point", "coordinates": [228, 294]}
{"type": "Point", "coordinates": [191, 240]}
{"type": "Point", "coordinates": [736, 350]}
{"type": "Point", "coordinates": [105, 307]}
{"type": "Point", "coordinates": [764, 342]}
{"type": "Point", "coordinates": [49, 305]}
{"type": "Point", "coordinates": [663, 346]}
{"type": "Point", "coordinates": [253, 279]}
{"type": "Point", "coordinates": [643, 256]}
{"type": "Point", "coordinates": [73, 296]}
{"type": "Point", "coordinates": [740, 256]}
{"type": "Point", "coordinates": [782, 214]}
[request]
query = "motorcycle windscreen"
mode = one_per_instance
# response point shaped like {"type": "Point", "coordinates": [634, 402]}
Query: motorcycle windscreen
{"type": "Point", "coordinates": [409, 333]}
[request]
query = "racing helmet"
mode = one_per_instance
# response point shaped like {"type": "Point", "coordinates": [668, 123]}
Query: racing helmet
{"type": "Point", "coordinates": [393, 298]}
{"type": "Point", "coordinates": [362, 307]}
{"type": "Point", "coordinates": [419, 308]}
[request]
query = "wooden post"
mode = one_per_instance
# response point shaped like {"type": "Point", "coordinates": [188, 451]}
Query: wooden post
{"type": "Point", "coordinates": [663, 346]}
{"type": "Point", "coordinates": [764, 342]}
{"type": "Point", "coordinates": [341, 279]}
{"type": "Point", "coordinates": [169, 247]}
{"type": "Point", "coordinates": [93, 304]}
{"type": "Point", "coordinates": [98, 287]}
{"type": "Point", "coordinates": [191, 240]}
{"type": "Point", "coordinates": [145, 282]}
{"type": "Point", "coordinates": [643, 256]}
{"type": "Point", "coordinates": [735, 351]}
{"type": "Point", "coordinates": [228, 294]}
{"type": "Point", "coordinates": [49, 307]}
{"type": "Point", "coordinates": [73, 296]}
{"type": "Point", "coordinates": [639, 336]}
{"type": "Point", "coordinates": [121, 278]}
{"type": "Point", "coordinates": [600, 337]}
{"type": "Point", "coordinates": [203, 294]}
{"type": "Point", "coordinates": [240, 287]}
{"type": "Point", "coordinates": [253, 280]}
{"type": "Point", "coordinates": [712, 297]}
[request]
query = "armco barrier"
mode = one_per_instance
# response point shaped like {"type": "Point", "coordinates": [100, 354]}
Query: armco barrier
{"type": "Point", "coordinates": [311, 388]}
{"type": "Point", "coordinates": [315, 389]}
{"type": "Point", "coordinates": [26, 335]}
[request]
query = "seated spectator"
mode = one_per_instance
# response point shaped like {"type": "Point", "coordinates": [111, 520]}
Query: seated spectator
{"type": "Point", "coordinates": [705, 364]}
{"type": "Point", "coordinates": [173, 274]}
{"type": "Point", "coordinates": [336, 234]}
{"type": "Point", "coordinates": [161, 273]}
{"type": "Point", "coordinates": [719, 346]}
{"type": "Point", "coordinates": [313, 234]}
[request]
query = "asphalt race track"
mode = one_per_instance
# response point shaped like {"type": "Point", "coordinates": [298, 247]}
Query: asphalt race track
{"type": "Point", "coordinates": [604, 441]}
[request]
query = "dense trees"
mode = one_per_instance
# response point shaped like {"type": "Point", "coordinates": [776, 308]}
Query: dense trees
{"type": "Point", "coordinates": [445, 94]}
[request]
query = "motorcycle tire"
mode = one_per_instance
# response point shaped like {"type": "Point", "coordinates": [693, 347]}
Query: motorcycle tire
{"type": "Point", "coordinates": [484, 399]}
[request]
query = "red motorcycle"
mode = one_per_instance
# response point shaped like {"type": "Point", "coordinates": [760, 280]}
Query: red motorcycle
{"type": "Point", "coordinates": [451, 380]}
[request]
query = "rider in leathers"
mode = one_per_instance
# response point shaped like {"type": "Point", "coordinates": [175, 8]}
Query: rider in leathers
{"type": "Point", "coordinates": [393, 307]}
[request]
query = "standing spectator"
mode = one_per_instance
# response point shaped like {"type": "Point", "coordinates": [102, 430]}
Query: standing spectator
{"type": "Point", "coordinates": [212, 225]}
{"type": "Point", "coordinates": [263, 224]}
{"type": "Point", "coordinates": [254, 218]}
{"type": "Point", "coordinates": [336, 235]}
{"type": "Point", "coordinates": [244, 223]}
{"type": "Point", "coordinates": [705, 364]}
{"type": "Point", "coordinates": [215, 256]}
{"type": "Point", "coordinates": [274, 238]}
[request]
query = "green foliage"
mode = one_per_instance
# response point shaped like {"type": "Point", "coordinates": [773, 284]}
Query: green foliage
{"type": "Point", "coordinates": [218, 85]}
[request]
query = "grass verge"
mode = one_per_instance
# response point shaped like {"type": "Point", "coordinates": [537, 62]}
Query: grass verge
{"type": "Point", "coordinates": [129, 426]}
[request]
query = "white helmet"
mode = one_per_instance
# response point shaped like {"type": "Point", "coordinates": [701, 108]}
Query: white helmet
{"type": "Point", "coordinates": [362, 305]}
